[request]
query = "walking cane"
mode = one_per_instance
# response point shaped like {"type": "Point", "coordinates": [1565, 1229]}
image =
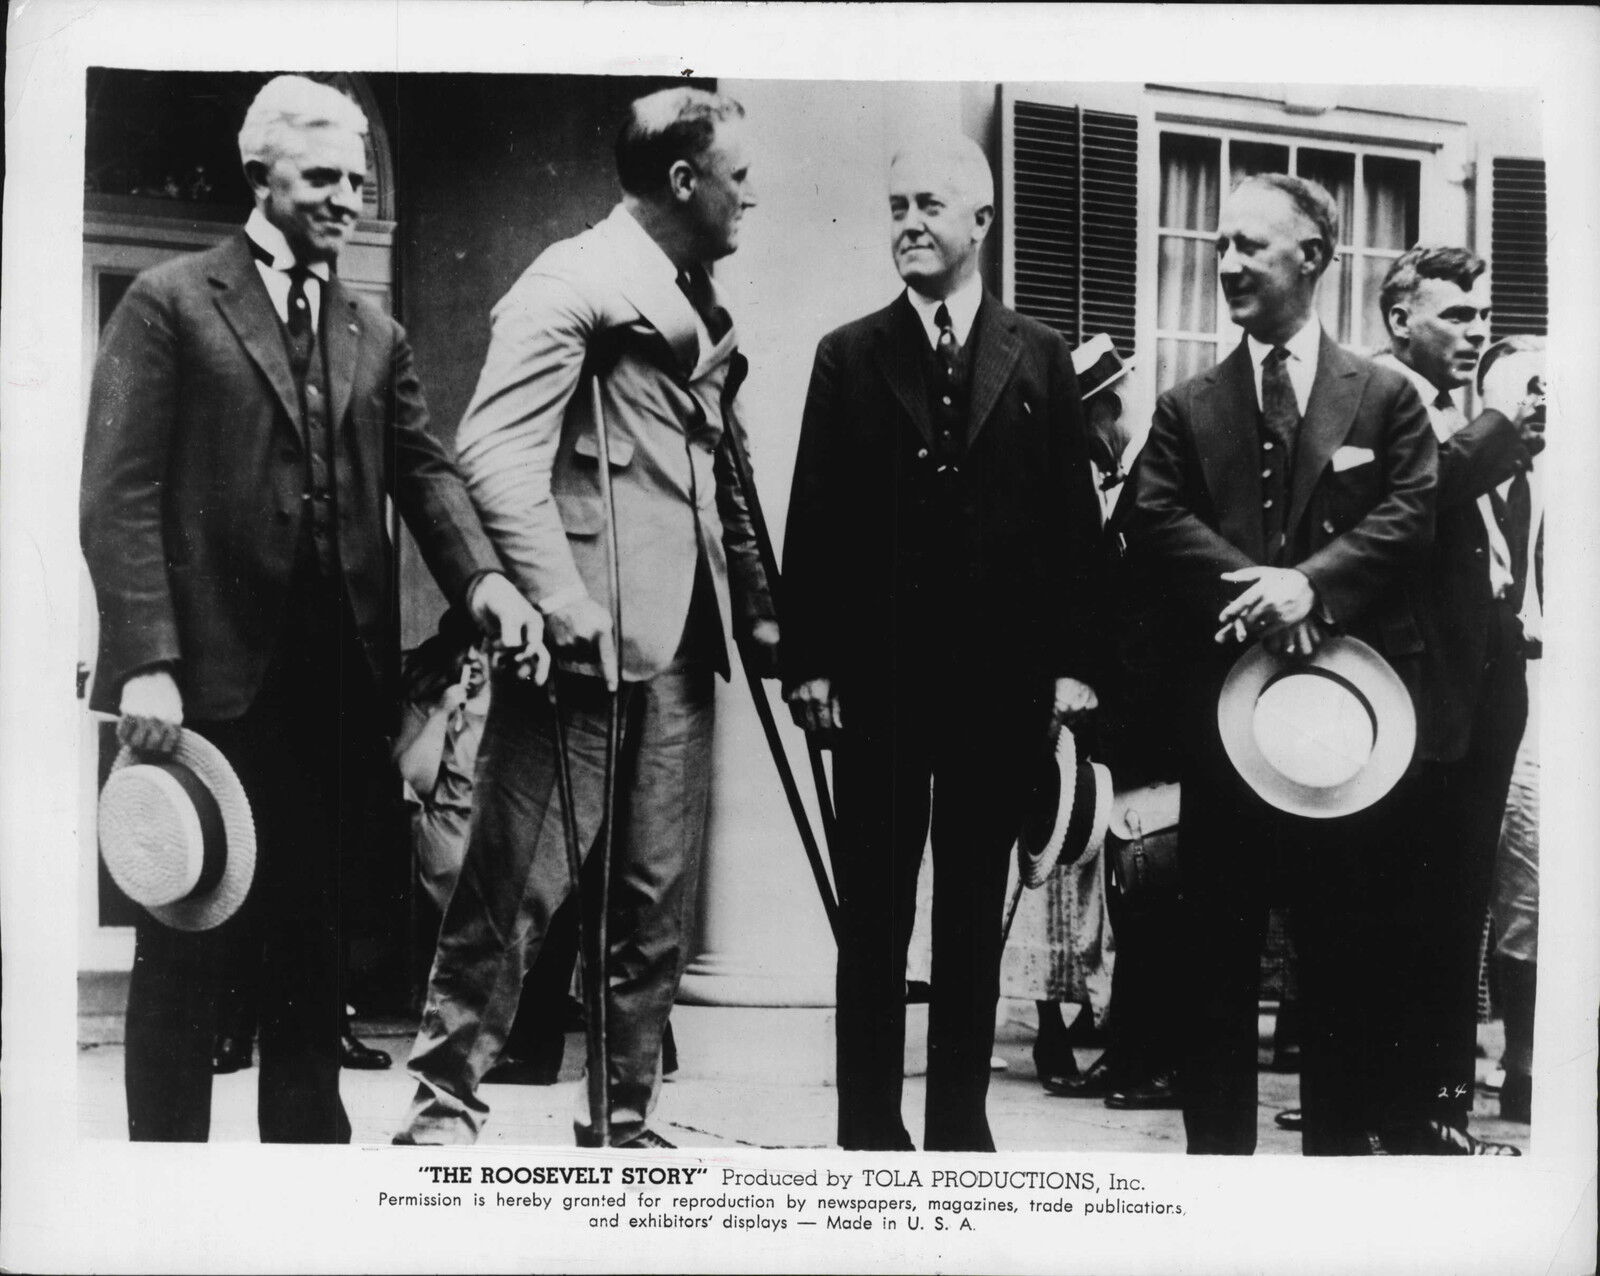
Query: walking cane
{"type": "Point", "coordinates": [590, 971]}
{"type": "Point", "coordinates": [819, 776]}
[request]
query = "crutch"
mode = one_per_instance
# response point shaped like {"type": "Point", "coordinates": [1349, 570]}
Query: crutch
{"type": "Point", "coordinates": [594, 943]}
{"type": "Point", "coordinates": [819, 775]}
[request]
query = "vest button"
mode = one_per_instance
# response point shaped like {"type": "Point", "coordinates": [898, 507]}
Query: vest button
{"type": "Point", "coordinates": [1266, 473]}
{"type": "Point", "coordinates": [1266, 445]}
{"type": "Point", "coordinates": [945, 400]}
{"type": "Point", "coordinates": [1327, 526]}
{"type": "Point", "coordinates": [922, 454]}
{"type": "Point", "coordinates": [1267, 504]}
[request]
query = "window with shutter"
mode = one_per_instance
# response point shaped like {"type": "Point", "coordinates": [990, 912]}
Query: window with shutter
{"type": "Point", "coordinates": [1379, 200]}
{"type": "Point", "coordinates": [1073, 245]}
{"type": "Point", "coordinates": [1518, 246]}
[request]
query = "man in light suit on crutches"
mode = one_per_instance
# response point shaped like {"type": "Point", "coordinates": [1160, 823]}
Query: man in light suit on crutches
{"type": "Point", "coordinates": [631, 303]}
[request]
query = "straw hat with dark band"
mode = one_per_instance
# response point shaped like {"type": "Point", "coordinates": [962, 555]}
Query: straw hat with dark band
{"type": "Point", "coordinates": [1067, 812]}
{"type": "Point", "coordinates": [1322, 737]}
{"type": "Point", "coordinates": [176, 834]}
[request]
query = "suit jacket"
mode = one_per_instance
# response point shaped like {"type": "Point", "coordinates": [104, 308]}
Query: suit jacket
{"type": "Point", "coordinates": [1361, 533]}
{"type": "Point", "coordinates": [608, 301]}
{"type": "Point", "coordinates": [194, 469]}
{"type": "Point", "coordinates": [1135, 677]}
{"type": "Point", "coordinates": [1454, 610]}
{"type": "Point", "coordinates": [1026, 498]}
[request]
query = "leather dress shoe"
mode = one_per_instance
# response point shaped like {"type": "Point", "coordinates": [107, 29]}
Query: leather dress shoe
{"type": "Point", "coordinates": [1159, 1091]}
{"type": "Point", "coordinates": [510, 1070]}
{"type": "Point", "coordinates": [231, 1054]}
{"type": "Point", "coordinates": [357, 1054]}
{"type": "Point", "coordinates": [646, 1138]}
{"type": "Point", "coordinates": [1095, 1083]}
{"type": "Point", "coordinates": [1291, 1119]}
{"type": "Point", "coordinates": [1436, 1138]}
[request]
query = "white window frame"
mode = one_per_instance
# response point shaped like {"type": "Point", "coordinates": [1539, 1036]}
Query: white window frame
{"type": "Point", "coordinates": [1352, 255]}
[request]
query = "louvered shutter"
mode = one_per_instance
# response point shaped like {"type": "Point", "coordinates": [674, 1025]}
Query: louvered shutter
{"type": "Point", "coordinates": [1073, 262]}
{"type": "Point", "coordinates": [1519, 248]}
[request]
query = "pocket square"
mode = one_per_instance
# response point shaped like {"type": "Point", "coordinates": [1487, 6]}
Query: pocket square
{"type": "Point", "coordinates": [1347, 458]}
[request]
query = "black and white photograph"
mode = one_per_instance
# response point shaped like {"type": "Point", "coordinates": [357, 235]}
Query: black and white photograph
{"type": "Point", "coordinates": [730, 624]}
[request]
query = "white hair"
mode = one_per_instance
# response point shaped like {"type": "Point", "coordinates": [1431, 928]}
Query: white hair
{"type": "Point", "coordinates": [960, 158]}
{"type": "Point", "coordinates": [292, 102]}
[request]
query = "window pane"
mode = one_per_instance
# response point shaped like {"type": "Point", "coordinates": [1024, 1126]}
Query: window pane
{"type": "Point", "coordinates": [1333, 300]}
{"type": "Point", "coordinates": [1189, 174]}
{"type": "Point", "coordinates": [1335, 172]}
{"type": "Point", "coordinates": [1179, 360]}
{"type": "Point", "coordinates": [1186, 288]}
{"type": "Point", "coordinates": [1391, 190]}
{"type": "Point", "coordinates": [1246, 159]}
{"type": "Point", "coordinates": [1373, 335]}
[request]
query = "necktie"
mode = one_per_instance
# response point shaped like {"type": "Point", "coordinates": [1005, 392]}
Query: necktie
{"type": "Point", "coordinates": [1447, 415]}
{"type": "Point", "coordinates": [947, 348]}
{"type": "Point", "coordinates": [1279, 411]}
{"type": "Point", "coordinates": [696, 286]}
{"type": "Point", "coordinates": [299, 324]}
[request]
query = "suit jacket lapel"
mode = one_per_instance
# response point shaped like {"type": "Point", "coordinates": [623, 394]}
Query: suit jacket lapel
{"type": "Point", "coordinates": [643, 276]}
{"type": "Point", "coordinates": [900, 357]}
{"type": "Point", "coordinates": [341, 337]}
{"type": "Point", "coordinates": [1330, 412]}
{"type": "Point", "coordinates": [1229, 443]}
{"type": "Point", "coordinates": [999, 348]}
{"type": "Point", "coordinates": [242, 298]}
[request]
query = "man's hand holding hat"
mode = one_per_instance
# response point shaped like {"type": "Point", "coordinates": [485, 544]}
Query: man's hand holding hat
{"type": "Point", "coordinates": [1277, 605]}
{"type": "Point", "coordinates": [152, 713]}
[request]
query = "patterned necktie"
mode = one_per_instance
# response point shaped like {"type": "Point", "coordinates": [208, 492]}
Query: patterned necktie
{"type": "Point", "coordinates": [948, 349]}
{"type": "Point", "coordinates": [299, 324]}
{"type": "Point", "coordinates": [696, 286]}
{"type": "Point", "coordinates": [1279, 410]}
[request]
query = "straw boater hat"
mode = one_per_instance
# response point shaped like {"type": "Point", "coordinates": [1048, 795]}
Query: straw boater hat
{"type": "Point", "coordinates": [176, 834]}
{"type": "Point", "coordinates": [1098, 365]}
{"type": "Point", "coordinates": [1322, 737]}
{"type": "Point", "coordinates": [1067, 812]}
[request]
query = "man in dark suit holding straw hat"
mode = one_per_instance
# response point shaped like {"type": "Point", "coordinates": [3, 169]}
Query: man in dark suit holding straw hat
{"type": "Point", "coordinates": [1284, 496]}
{"type": "Point", "coordinates": [940, 603]}
{"type": "Point", "coordinates": [249, 420]}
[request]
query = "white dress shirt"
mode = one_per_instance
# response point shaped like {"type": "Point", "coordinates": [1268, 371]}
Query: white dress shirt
{"type": "Point", "coordinates": [1303, 348]}
{"type": "Point", "coordinates": [276, 276]}
{"type": "Point", "coordinates": [962, 304]}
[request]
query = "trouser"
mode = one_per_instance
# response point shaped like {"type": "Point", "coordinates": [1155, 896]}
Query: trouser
{"type": "Point", "coordinates": [1146, 1004]}
{"type": "Point", "coordinates": [300, 753]}
{"type": "Point", "coordinates": [515, 877]}
{"type": "Point", "coordinates": [975, 747]}
{"type": "Point", "coordinates": [1435, 895]}
{"type": "Point", "coordinates": [1239, 856]}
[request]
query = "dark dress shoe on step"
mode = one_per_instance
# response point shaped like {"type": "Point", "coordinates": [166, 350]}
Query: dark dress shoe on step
{"type": "Point", "coordinates": [647, 1138]}
{"type": "Point", "coordinates": [1290, 1119]}
{"type": "Point", "coordinates": [231, 1054]}
{"type": "Point", "coordinates": [1094, 1083]}
{"type": "Point", "coordinates": [1436, 1138]}
{"type": "Point", "coordinates": [357, 1054]}
{"type": "Point", "coordinates": [1160, 1091]}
